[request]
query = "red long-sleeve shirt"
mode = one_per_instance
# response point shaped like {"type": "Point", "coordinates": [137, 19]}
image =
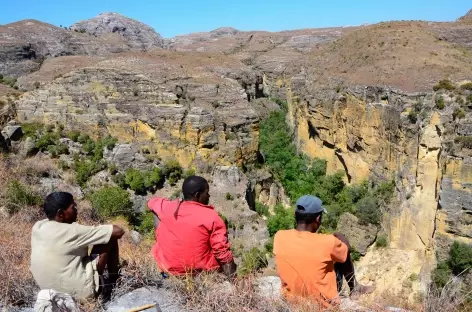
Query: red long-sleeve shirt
{"type": "Point", "coordinates": [195, 240]}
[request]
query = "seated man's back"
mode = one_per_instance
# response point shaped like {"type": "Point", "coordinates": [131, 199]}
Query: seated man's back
{"type": "Point", "coordinates": [305, 263]}
{"type": "Point", "coordinates": [191, 237]}
{"type": "Point", "coordinates": [59, 253]}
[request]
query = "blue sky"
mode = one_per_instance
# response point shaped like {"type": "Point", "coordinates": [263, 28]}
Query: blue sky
{"type": "Point", "coordinates": [171, 18]}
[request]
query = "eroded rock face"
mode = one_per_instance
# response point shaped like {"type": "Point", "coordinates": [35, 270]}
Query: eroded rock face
{"type": "Point", "coordinates": [360, 236]}
{"type": "Point", "coordinates": [158, 101]}
{"type": "Point", "coordinates": [137, 34]}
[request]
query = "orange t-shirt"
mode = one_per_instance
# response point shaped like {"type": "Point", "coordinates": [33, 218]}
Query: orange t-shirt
{"type": "Point", "coordinates": [305, 264]}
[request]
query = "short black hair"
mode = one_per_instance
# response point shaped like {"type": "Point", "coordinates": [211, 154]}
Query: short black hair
{"type": "Point", "coordinates": [193, 185]}
{"type": "Point", "coordinates": [57, 201]}
{"type": "Point", "coordinates": [302, 217]}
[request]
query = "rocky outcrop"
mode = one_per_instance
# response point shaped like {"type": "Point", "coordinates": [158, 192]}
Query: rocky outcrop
{"type": "Point", "coordinates": [164, 301]}
{"type": "Point", "coordinates": [138, 35]}
{"type": "Point", "coordinates": [232, 195]}
{"type": "Point", "coordinates": [360, 236]}
{"type": "Point", "coordinates": [24, 45]}
{"type": "Point", "coordinates": [159, 101]}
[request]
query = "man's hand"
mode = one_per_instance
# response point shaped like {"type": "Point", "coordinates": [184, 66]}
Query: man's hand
{"type": "Point", "coordinates": [343, 239]}
{"type": "Point", "coordinates": [229, 269]}
{"type": "Point", "coordinates": [117, 232]}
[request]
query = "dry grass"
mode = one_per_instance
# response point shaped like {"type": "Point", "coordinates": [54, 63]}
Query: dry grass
{"type": "Point", "coordinates": [17, 286]}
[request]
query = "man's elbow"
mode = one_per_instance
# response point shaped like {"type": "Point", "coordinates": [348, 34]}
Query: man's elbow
{"type": "Point", "coordinates": [118, 232]}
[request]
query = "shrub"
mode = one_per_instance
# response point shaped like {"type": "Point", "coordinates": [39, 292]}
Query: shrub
{"type": "Point", "coordinates": [142, 181]}
{"type": "Point", "coordinates": [85, 169]}
{"type": "Point", "coordinates": [37, 84]}
{"type": "Point", "coordinates": [83, 138]}
{"type": "Point", "coordinates": [368, 211]}
{"type": "Point", "coordinates": [460, 100]}
{"type": "Point", "coordinates": [145, 223]}
{"type": "Point", "coordinates": [355, 255]}
{"type": "Point", "coordinates": [59, 149]}
{"type": "Point", "coordinates": [442, 275]}
{"type": "Point", "coordinates": [381, 242]}
{"type": "Point", "coordinates": [31, 129]}
{"type": "Point", "coordinates": [444, 84]}
{"type": "Point", "coordinates": [153, 178]}
{"type": "Point", "coordinates": [135, 180]}
{"type": "Point", "coordinates": [172, 171]}
{"type": "Point", "coordinates": [19, 196]}
{"type": "Point", "coordinates": [73, 135]}
{"type": "Point", "coordinates": [262, 209]}
{"type": "Point", "coordinates": [283, 219]}
{"type": "Point", "coordinates": [228, 196]}
{"type": "Point", "coordinates": [120, 180]}
{"type": "Point", "coordinates": [440, 102]}
{"type": "Point", "coordinates": [111, 202]}
{"type": "Point", "coordinates": [460, 258]}
{"type": "Point", "coordinates": [188, 173]}
{"type": "Point", "coordinates": [469, 99]}
{"type": "Point", "coordinates": [458, 114]}
{"type": "Point", "coordinates": [252, 261]}
{"type": "Point", "coordinates": [465, 141]}
{"type": "Point", "coordinates": [46, 140]}
{"type": "Point", "coordinates": [467, 86]}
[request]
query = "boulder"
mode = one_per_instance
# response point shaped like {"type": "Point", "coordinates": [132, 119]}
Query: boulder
{"type": "Point", "coordinates": [28, 147]}
{"type": "Point", "coordinates": [12, 132]}
{"type": "Point", "coordinates": [135, 237]}
{"type": "Point", "coordinates": [269, 287]}
{"type": "Point", "coordinates": [360, 236]}
{"type": "Point", "coordinates": [122, 156]}
{"type": "Point", "coordinates": [165, 301]}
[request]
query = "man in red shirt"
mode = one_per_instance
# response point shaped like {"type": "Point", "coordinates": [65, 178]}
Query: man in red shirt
{"type": "Point", "coordinates": [190, 235]}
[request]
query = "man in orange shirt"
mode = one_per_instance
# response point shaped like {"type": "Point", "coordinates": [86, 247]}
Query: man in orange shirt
{"type": "Point", "coordinates": [312, 265]}
{"type": "Point", "coordinates": [190, 235]}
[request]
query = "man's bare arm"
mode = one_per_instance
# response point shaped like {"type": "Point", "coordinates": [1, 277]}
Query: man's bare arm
{"type": "Point", "coordinates": [117, 233]}
{"type": "Point", "coordinates": [343, 239]}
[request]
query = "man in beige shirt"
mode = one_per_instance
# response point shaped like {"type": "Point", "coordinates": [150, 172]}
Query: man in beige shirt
{"type": "Point", "coordinates": [59, 250]}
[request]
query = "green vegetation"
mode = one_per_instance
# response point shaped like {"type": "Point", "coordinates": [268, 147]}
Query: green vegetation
{"type": "Point", "coordinates": [19, 196]}
{"type": "Point", "coordinates": [299, 175]}
{"type": "Point", "coordinates": [459, 262]}
{"type": "Point", "coordinates": [444, 84]}
{"type": "Point", "coordinates": [86, 168]}
{"type": "Point", "coordinates": [112, 201]}
{"type": "Point", "coordinates": [142, 181]}
{"type": "Point", "coordinates": [172, 171]}
{"type": "Point", "coordinates": [458, 114]}
{"type": "Point", "coordinates": [262, 209]}
{"type": "Point", "coordinates": [355, 255]}
{"type": "Point", "coordinates": [252, 261]}
{"type": "Point", "coordinates": [467, 86]}
{"type": "Point", "coordinates": [228, 196]}
{"type": "Point", "coordinates": [145, 223]}
{"type": "Point", "coordinates": [465, 141]}
{"type": "Point", "coordinates": [73, 135]}
{"type": "Point", "coordinates": [31, 129]}
{"type": "Point", "coordinates": [188, 173]}
{"type": "Point", "coordinates": [9, 81]}
{"type": "Point", "coordinates": [469, 99]}
{"type": "Point", "coordinates": [440, 102]}
{"type": "Point", "coordinates": [283, 219]}
{"type": "Point", "coordinates": [381, 242]}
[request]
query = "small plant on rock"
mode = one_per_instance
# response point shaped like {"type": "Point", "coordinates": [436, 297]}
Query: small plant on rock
{"type": "Point", "coordinates": [440, 102]}
{"type": "Point", "coordinates": [381, 242]}
{"type": "Point", "coordinates": [228, 196]}
{"type": "Point", "coordinates": [444, 84]}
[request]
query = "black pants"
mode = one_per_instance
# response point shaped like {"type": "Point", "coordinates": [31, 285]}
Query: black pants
{"type": "Point", "coordinates": [339, 276]}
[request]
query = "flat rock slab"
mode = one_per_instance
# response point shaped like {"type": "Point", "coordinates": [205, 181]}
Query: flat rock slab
{"type": "Point", "coordinates": [165, 301]}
